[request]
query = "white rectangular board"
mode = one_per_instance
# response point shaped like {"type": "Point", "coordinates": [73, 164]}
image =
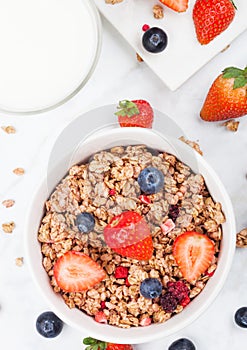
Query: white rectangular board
{"type": "Point", "coordinates": [184, 55]}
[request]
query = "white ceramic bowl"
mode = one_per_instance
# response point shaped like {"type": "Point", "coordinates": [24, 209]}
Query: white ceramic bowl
{"type": "Point", "coordinates": [76, 318]}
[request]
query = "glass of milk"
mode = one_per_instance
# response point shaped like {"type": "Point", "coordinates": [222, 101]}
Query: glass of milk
{"type": "Point", "coordinates": [49, 49]}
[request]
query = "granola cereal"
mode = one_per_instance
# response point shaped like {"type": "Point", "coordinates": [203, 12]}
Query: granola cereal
{"type": "Point", "coordinates": [8, 203]}
{"type": "Point", "coordinates": [241, 239]}
{"type": "Point", "coordinates": [8, 129]}
{"type": "Point", "coordinates": [107, 186]}
{"type": "Point", "coordinates": [18, 171]}
{"type": "Point", "coordinates": [19, 261]}
{"type": "Point", "coordinates": [8, 227]}
{"type": "Point", "coordinates": [113, 2]}
{"type": "Point", "coordinates": [192, 144]}
{"type": "Point", "coordinates": [158, 11]}
{"type": "Point", "coordinates": [231, 125]}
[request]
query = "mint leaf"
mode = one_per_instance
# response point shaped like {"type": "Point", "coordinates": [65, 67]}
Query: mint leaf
{"type": "Point", "coordinates": [239, 82]}
{"type": "Point", "coordinates": [232, 72]}
{"type": "Point", "coordinates": [89, 341]}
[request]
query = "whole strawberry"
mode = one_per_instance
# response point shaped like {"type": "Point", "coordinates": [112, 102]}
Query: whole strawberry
{"type": "Point", "coordinates": [95, 344]}
{"type": "Point", "coordinates": [135, 113]}
{"type": "Point", "coordinates": [227, 97]}
{"type": "Point", "coordinates": [176, 5]}
{"type": "Point", "coordinates": [211, 18]}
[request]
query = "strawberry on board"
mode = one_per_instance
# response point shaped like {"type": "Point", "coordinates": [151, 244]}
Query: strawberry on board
{"type": "Point", "coordinates": [176, 5]}
{"type": "Point", "coordinates": [227, 97]}
{"type": "Point", "coordinates": [77, 272]}
{"type": "Point", "coordinates": [129, 235]}
{"type": "Point", "coordinates": [137, 113]}
{"type": "Point", "coordinates": [211, 18]}
{"type": "Point", "coordinates": [193, 253]}
{"type": "Point", "coordinates": [95, 344]}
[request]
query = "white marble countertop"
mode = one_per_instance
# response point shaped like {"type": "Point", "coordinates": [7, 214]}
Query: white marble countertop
{"type": "Point", "coordinates": [122, 77]}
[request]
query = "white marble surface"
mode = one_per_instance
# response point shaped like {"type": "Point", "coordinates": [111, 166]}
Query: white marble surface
{"type": "Point", "coordinates": [117, 76]}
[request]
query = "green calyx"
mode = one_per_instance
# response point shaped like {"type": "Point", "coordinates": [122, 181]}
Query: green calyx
{"type": "Point", "coordinates": [127, 109]}
{"type": "Point", "coordinates": [239, 75]}
{"type": "Point", "coordinates": [234, 5]}
{"type": "Point", "coordinates": [94, 344]}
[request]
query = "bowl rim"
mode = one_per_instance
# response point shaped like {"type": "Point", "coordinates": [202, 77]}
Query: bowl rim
{"type": "Point", "coordinates": [134, 334]}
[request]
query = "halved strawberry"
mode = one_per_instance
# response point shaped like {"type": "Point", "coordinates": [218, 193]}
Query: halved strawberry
{"type": "Point", "coordinates": [129, 235]}
{"type": "Point", "coordinates": [176, 5]}
{"type": "Point", "coordinates": [193, 253]}
{"type": "Point", "coordinates": [77, 272]}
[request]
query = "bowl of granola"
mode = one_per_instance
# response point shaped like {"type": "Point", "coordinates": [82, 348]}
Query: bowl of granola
{"type": "Point", "coordinates": [134, 239]}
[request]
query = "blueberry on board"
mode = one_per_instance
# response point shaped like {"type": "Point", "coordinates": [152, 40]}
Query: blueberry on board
{"type": "Point", "coordinates": [182, 344]}
{"type": "Point", "coordinates": [49, 325]}
{"type": "Point", "coordinates": [151, 180]}
{"type": "Point", "coordinates": [150, 288]}
{"type": "Point", "coordinates": [154, 40]}
{"type": "Point", "coordinates": [241, 317]}
{"type": "Point", "coordinates": [85, 222]}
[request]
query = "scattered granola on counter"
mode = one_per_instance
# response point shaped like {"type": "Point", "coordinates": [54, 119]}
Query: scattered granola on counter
{"type": "Point", "coordinates": [19, 261]}
{"type": "Point", "coordinates": [192, 144]}
{"type": "Point", "coordinates": [8, 227]}
{"type": "Point", "coordinates": [19, 171]}
{"type": "Point", "coordinates": [158, 11]}
{"type": "Point", "coordinates": [9, 129]}
{"type": "Point", "coordinates": [8, 203]}
{"type": "Point", "coordinates": [241, 241]}
{"type": "Point", "coordinates": [231, 125]}
{"type": "Point", "coordinates": [138, 57]}
{"type": "Point", "coordinates": [113, 2]}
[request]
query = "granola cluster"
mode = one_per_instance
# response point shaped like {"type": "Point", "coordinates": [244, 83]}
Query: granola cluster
{"type": "Point", "coordinates": [106, 186]}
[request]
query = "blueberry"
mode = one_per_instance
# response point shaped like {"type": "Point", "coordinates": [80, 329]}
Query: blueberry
{"type": "Point", "coordinates": [154, 40]}
{"type": "Point", "coordinates": [182, 344]}
{"type": "Point", "coordinates": [151, 180]}
{"type": "Point", "coordinates": [150, 288]}
{"type": "Point", "coordinates": [241, 317]}
{"type": "Point", "coordinates": [85, 222]}
{"type": "Point", "coordinates": [49, 325]}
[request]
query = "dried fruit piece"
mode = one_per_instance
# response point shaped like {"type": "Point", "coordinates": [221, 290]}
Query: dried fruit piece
{"type": "Point", "coordinates": [231, 125]}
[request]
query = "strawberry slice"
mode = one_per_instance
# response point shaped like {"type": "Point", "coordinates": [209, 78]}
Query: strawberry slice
{"type": "Point", "coordinates": [193, 253]}
{"type": "Point", "coordinates": [176, 5]}
{"type": "Point", "coordinates": [77, 272]}
{"type": "Point", "coordinates": [129, 235]}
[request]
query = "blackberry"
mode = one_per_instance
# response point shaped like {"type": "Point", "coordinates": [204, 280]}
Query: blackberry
{"type": "Point", "coordinates": [173, 212]}
{"type": "Point", "coordinates": [168, 302]}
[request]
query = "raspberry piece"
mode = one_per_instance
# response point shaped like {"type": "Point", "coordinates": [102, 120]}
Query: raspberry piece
{"type": "Point", "coordinates": [144, 199]}
{"type": "Point", "coordinates": [173, 212]}
{"type": "Point", "coordinates": [100, 317]}
{"type": "Point", "coordinates": [112, 192]}
{"type": "Point", "coordinates": [185, 301]}
{"type": "Point", "coordinates": [121, 272]}
{"type": "Point", "coordinates": [145, 27]}
{"type": "Point", "coordinates": [168, 302]}
{"type": "Point", "coordinates": [127, 282]}
{"type": "Point", "coordinates": [102, 305]}
{"type": "Point", "coordinates": [178, 289]}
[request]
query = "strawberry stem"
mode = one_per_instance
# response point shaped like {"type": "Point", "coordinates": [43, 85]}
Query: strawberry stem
{"type": "Point", "coordinates": [127, 109]}
{"type": "Point", "coordinates": [239, 76]}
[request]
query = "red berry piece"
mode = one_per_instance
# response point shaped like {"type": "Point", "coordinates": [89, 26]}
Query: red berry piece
{"type": "Point", "coordinates": [127, 282]}
{"type": "Point", "coordinates": [144, 199]}
{"type": "Point", "coordinates": [102, 305]}
{"type": "Point", "coordinates": [121, 272]}
{"type": "Point", "coordinates": [185, 301]}
{"type": "Point", "coordinates": [112, 192]}
{"type": "Point", "coordinates": [145, 27]}
{"type": "Point", "coordinates": [100, 317]}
